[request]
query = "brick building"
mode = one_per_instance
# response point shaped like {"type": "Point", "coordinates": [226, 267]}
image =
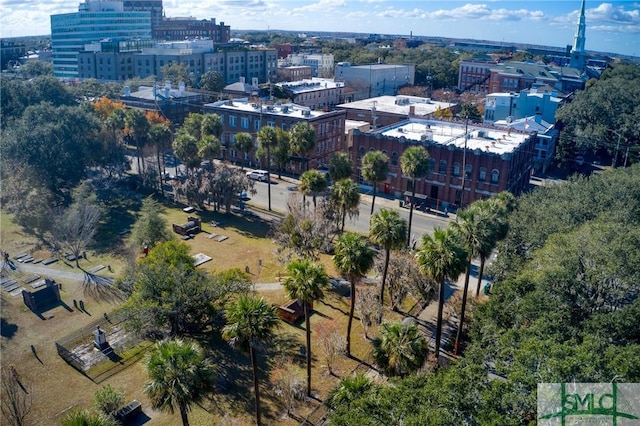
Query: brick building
{"type": "Point", "coordinates": [241, 115]}
{"type": "Point", "coordinates": [494, 159]}
{"type": "Point", "coordinates": [190, 28]}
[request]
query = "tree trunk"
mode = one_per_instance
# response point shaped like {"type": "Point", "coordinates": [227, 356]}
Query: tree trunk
{"type": "Point", "coordinates": [384, 275]}
{"type": "Point", "coordinates": [373, 202]}
{"type": "Point", "coordinates": [351, 310]}
{"type": "Point", "coordinates": [183, 415]}
{"type": "Point", "coordinates": [314, 203]}
{"type": "Point", "coordinates": [308, 326]}
{"type": "Point", "coordinates": [344, 215]}
{"type": "Point", "coordinates": [463, 309]}
{"type": "Point", "coordinates": [160, 172]}
{"type": "Point", "coordinates": [269, 177]}
{"type": "Point", "coordinates": [439, 323]}
{"type": "Point", "coordinates": [256, 390]}
{"type": "Point", "coordinates": [413, 197]}
{"type": "Point", "coordinates": [480, 272]}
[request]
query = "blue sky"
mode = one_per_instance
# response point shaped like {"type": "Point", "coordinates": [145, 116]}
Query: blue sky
{"type": "Point", "coordinates": [612, 26]}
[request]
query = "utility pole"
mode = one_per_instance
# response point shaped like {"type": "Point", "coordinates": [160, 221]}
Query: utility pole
{"type": "Point", "coordinates": [464, 161]}
{"type": "Point", "coordinates": [614, 161]}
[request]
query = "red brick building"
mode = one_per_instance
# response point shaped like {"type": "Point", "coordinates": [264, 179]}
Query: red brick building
{"type": "Point", "coordinates": [494, 160]}
{"type": "Point", "coordinates": [239, 115]}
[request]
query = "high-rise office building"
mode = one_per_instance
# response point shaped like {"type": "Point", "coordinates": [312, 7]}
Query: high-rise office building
{"type": "Point", "coordinates": [95, 20]}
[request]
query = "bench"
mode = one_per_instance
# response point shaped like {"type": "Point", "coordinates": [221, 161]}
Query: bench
{"type": "Point", "coordinates": [49, 261]}
{"type": "Point", "coordinates": [129, 411]}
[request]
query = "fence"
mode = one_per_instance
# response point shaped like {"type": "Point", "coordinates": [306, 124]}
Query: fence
{"type": "Point", "coordinates": [98, 366]}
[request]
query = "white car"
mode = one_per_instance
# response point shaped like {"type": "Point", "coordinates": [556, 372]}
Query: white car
{"type": "Point", "coordinates": [261, 175]}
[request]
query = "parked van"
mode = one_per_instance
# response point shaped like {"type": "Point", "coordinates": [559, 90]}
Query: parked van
{"type": "Point", "coordinates": [261, 175]}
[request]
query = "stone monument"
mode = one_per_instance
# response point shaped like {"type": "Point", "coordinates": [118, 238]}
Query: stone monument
{"type": "Point", "coordinates": [100, 339]}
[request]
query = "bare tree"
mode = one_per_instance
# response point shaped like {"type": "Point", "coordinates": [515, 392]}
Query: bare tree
{"type": "Point", "coordinates": [75, 227]}
{"type": "Point", "coordinates": [304, 233]}
{"type": "Point", "coordinates": [17, 398]}
{"type": "Point", "coordinates": [403, 278]}
{"type": "Point", "coordinates": [288, 384]}
{"type": "Point", "coordinates": [369, 308]}
{"type": "Point", "coordinates": [331, 341]}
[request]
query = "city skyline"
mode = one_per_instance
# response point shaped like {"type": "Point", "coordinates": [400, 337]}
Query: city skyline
{"type": "Point", "coordinates": [611, 26]}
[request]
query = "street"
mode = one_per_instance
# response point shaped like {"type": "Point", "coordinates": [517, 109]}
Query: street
{"type": "Point", "coordinates": [281, 189]}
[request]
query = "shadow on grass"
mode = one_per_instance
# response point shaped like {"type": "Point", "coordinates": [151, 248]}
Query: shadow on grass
{"type": "Point", "coordinates": [117, 223]}
{"type": "Point", "coordinates": [7, 329]}
{"type": "Point", "coordinates": [101, 288]}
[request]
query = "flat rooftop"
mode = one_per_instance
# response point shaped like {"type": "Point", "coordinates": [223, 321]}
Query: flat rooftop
{"type": "Point", "coordinates": [485, 139]}
{"type": "Point", "coordinates": [311, 85]}
{"type": "Point", "coordinates": [399, 105]}
{"type": "Point", "coordinates": [286, 109]}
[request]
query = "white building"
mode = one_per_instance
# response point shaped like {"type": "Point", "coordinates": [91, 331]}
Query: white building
{"type": "Point", "coordinates": [315, 93]}
{"type": "Point", "coordinates": [373, 80]}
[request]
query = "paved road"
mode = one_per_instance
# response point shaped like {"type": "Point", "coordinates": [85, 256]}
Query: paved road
{"type": "Point", "coordinates": [54, 273]}
{"type": "Point", "coordinates": [281, 190]}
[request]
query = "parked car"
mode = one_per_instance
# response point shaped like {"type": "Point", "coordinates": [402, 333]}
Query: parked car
{"type": "Point", "coordinates": [260, 175]}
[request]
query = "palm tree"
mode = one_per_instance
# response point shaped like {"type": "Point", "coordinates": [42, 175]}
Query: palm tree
{"type": "Point", "coordinates": [160, 135]}
{"type": "Point", "coordinates": [87, 418]}
{"type": "Point", "coordinates": [473, 227]}
{"type": "Point", "coordinates": [209, 147]}
{"type": "Point", "coordinates": [312, 183]}
{"type": "Point", "coordinates": [349, 389]}
{"type": "Point", "coordinates": [340, 166]}
{"type": "Point", "coordinates": [375, 166]}
{"type": "Point", "coordinates": [500, 205]}
{"type": "Point", "coordinates": [305, 283]}
{"type": "Point", "coordinates": [441, 257]}
{"type": "Point", "coordinates": [303, 139]}
{"type": "Point", "coordinates": [268, 139]}
{"type": "Point", "coordinates": [414, 163]}
{"type": "Point", "coordinates": [353, 258]}
{"type": "Point", "coordinates": [243, 143]}
{"type": "Point", "coordinates": [179, 376]}
{"type": "Point", "coordinates": [138, 127]}
{"type": "Point", "coordinates": [388, 230]}
{"type": "Point", "coordinates": [250, 321]}
{"type": "Point", "coordinates": [346, 195]}
{"type": "Point", "coordinates": [401, 348]}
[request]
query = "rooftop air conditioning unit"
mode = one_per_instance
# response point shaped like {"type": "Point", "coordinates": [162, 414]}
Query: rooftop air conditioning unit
{"type": "Point", "coordinates": [306, 112]}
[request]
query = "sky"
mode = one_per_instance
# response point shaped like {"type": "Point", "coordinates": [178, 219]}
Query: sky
{"type": "Point", "coordinates": [612, 26]}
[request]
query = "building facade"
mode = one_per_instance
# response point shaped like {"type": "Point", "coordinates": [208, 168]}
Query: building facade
{"type": "Point", "coordinates": [94, 21]}
{"type": "Point", "coordinates": [315, 93]}
{"type": "Point", "coordinates": [154, 7]}
{"type": "Point", "coordinates": [293, 73]}
{"type": "Point", "coordinates": [539, 100]}
{"type": "Point", "coordinates": [174, 29]}
{"type": "Point", "coordinates": [373, 80]}
{"type": "Point", "coordinates": [386, 110]}
{"type": "Point", "coordinates": [173, 103]}
{"type": "Point", "coordinates": [321, 64]}
{"type": "Point", "coordinates": [485, 162]}
{"type": "Point", "coordinates": [245, 116]}
{"type": "Point", "coordinates": [473, 75]}
{"type": "Point", "coordinates": [110, 60]}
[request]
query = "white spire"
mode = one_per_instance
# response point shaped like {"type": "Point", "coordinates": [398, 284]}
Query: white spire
{"type": "Point", "coordinates": [579, 39]}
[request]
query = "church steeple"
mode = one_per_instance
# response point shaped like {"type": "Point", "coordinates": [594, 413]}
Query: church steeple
{"type": "Point", "coordinates": [578, 58]}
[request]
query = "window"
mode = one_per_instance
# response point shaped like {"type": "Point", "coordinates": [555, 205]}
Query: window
{"type": "Point", "coordinates": [495, 174]}
{"type": "Point", "coordinates": [244, 122]}
{"type": "Point", "coordinates": [432, 165]}
{"type": "Point", "coordinates": [443, 167]}
{"type": "Point", "coordinates": [468, 169]}
{"type": "Point", "coordinates": [284, 126]}
{"type": "Point", "coordinates": [232, 121]}
{"type": "Point", "coordinates": [456, 169]}
{"type": "Point", "coordinates": [256, 125]}
{"type": "Point", "coordinates": [482, 174]}
{"type": "Point", "coordinates": [394, 158]}
{"type": "Point", "coordinates": [361, 152]}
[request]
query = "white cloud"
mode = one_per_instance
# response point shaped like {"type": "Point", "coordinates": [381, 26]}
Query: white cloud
{"type": "Point", "coordinates": [322, 6]}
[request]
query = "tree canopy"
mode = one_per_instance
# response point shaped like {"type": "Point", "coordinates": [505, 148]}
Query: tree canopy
{"type": "Point", "coordinates": [564, 308]}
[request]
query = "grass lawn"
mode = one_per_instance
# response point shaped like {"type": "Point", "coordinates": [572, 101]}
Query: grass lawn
{"type": "Point", "coordinates": [56, 387]}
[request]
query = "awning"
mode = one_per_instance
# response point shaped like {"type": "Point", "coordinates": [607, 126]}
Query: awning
{"type": "Point", "coordinates": [418, 196]}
